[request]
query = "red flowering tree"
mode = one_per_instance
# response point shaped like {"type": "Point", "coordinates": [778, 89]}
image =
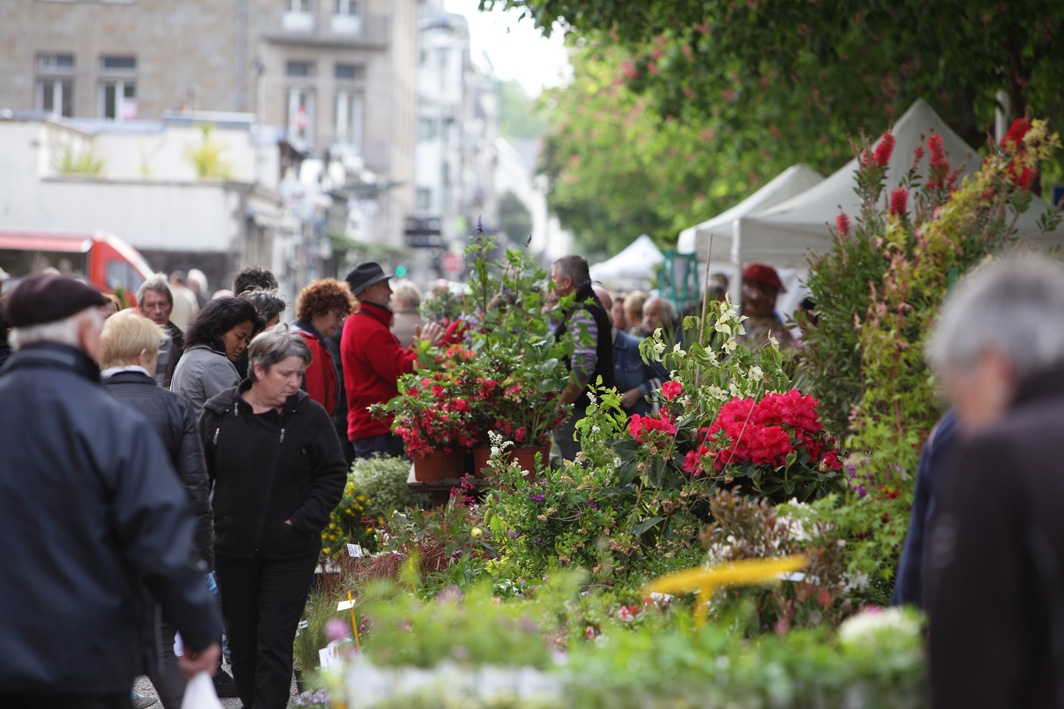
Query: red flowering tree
{"type": "Point", "coordinates": [877, 293]}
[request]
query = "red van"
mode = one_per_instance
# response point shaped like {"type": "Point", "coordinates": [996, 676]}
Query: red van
{"type": "Point", "coordinates": [101, 259]}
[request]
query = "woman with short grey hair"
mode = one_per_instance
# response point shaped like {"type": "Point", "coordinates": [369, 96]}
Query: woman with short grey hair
{"type": "Point", "coordinates": [278, 472]}
{"type": "Point", "coordinates": [273, 346]}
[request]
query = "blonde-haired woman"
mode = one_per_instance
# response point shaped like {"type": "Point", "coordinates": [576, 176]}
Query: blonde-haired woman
{"type": "Point", "coordinates": [130, 350]}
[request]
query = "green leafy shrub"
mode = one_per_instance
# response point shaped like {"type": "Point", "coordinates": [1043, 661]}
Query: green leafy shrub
{"type": "Point", "coordinates": [376, 487]}
{"type": "Point", "coordinates": [877, 292]}
{"type": "Point", "coordinates": [468, 628]}
{"type": "Point", "coordinates": [383, 482]}
{"type": "Point", "coordinates": [713, 666]}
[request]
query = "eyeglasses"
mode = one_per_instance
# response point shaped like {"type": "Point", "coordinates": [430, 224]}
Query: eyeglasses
{"type": "Point", "coordinates": [338, 315]}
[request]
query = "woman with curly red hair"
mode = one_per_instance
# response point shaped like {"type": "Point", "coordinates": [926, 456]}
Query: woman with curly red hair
{"type": "Point", "coordinates": [321, 309]}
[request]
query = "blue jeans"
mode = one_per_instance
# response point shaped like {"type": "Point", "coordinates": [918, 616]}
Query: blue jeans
{"type": "Point", "coordinates": [387, 444]}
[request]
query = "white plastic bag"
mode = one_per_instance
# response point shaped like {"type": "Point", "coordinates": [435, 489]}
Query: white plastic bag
{"type": "Point", "coordinates": [200, 694]}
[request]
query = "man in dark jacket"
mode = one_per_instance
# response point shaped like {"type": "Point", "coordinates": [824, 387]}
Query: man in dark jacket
{"type": "Point", "coordinates": [130, 350]}
{"type": "Point", "coordinates": [995, 575]}
{"type": "Point", "coordinates": [582, 319]}
{"type": "Point", "coordinates": [156, 302]}
{"type": "Point", "coordinates": [90, 508]}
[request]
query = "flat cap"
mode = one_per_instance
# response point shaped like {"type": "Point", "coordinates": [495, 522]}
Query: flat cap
{"type": "Point", "coordinates": [49, 297]}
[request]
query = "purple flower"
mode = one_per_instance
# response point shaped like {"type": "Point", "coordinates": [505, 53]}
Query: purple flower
{"type": "Point", "coordinates": [537, 498]}
{"type": "Point", "coordinates": [336, 629]}
{"type": "Point", "coordinates": [514, 535]}
{"type": "Point", "coordinates": [592, 505]}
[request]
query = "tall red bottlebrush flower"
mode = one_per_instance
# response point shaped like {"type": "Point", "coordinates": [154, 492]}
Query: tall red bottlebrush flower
{"type": "Point", "coordinates": [898, 199]}
{"type": "Point", "coordinates": [1022, 175]}
{"type": "Point", "coordinates": [843, 223]}
{"type": "Point", "coordinates": [939, 165]}
{"type": "Point", "coordinates": [1016, 133]}
{"type": "Point", "coordinates": [881, 156]}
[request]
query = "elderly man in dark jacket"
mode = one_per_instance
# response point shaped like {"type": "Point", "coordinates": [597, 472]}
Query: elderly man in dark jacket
{"type": "Point", "coordinates": [994, 559]}
{"type": "Point", "coordinates": [156, 302]}
{"type": "Point", "coordinates": [130, 349]}
{"type": "Point", "coordinates": [90, 508]}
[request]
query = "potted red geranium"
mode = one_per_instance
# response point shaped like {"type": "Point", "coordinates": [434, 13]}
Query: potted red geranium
{"type": "Point", "coordinates": [776, 445]}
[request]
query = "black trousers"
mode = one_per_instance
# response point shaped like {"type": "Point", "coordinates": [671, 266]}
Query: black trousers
{"type": "Point", "coordinates": [169, 682]}
{"type": "Point", "coordinates": [262, 601]}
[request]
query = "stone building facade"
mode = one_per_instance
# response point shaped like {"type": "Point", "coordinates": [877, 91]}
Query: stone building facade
{"type": "Point", "coordinates": [338, 76]}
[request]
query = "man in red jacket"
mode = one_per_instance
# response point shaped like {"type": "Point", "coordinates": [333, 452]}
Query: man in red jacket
{"type": "Point", "coordinates": [373, 360]}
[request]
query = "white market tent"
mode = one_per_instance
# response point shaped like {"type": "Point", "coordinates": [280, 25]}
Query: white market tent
{"type": "Point", "coordinates": [792, 181]}
{"type": "Point", "coordinates": [637, 262]}
{"type": "Point", "coordinates": [785, 234]}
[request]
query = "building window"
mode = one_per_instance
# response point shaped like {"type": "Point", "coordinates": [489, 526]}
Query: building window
{"type": "Point", "coordinates": [56, 96]}
{"type": "Point", "coordinates": [350, 72]}
{"type": "Point", "coordinates": [118, 88]}
{"type": "Point", "coordinates": [299, 69]}
{"type": "Point", "coordinates": [349, 119]}
{"type": "Point", "coordinates": [301, 115]}
{"type": "Point", "coordinates": [55, 63]}
{"type": "Point", "coordinates": [298, 16]}
{"type": "Point", "coordinates": [423, 199]}
{"type": "Point", "coordinates": [347, 18]}
{"type": "Point", "coordinates": [55, 84]}
{"type": "Point", "coordinates": [118, 100]}
{"type": "Point", "coordinates": [118, 65]}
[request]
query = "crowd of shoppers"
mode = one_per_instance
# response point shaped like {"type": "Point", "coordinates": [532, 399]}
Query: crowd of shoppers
{"type": "Point", "coordinates": [219, 445]}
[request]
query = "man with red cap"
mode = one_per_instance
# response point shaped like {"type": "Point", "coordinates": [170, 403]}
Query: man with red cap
{"type": "Point", "coordinates": [91, 511]}
{"type": "Point", "coordinates": [761, 285]}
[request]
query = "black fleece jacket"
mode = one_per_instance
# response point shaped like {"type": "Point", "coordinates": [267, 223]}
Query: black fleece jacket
{"type": "Point", "coordinates": [268, 468]}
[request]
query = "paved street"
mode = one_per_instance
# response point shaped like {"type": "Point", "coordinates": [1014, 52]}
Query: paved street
{"type": "Point", "coordinates": [143, 686]}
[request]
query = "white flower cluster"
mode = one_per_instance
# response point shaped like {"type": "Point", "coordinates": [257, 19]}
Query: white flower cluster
{"type": "Point", "coordinates": [872, 624]}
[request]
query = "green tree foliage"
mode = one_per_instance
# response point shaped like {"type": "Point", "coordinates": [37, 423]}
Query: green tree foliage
{"type": "Point", "coordinates": [808, 71]}
{"type": "Point", "coordinates": [514, 218]}
{"type": "Point", "coordinates": [617, 170]}
{"type": "Point", "coordinates": [519, 115]}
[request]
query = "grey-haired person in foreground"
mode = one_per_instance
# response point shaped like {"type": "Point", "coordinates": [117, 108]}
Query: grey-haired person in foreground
{"type": "Point", "coordinates": [994, 559]}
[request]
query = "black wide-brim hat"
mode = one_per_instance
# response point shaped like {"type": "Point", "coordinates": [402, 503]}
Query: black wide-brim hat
{"type": "Point", "coordinates": [364, 275]}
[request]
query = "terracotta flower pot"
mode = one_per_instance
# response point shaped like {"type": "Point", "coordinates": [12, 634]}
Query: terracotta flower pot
{"type": "Point", "coordinates": [438, 465]}
{"type": "Point", "coordinates": [525, 457]}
